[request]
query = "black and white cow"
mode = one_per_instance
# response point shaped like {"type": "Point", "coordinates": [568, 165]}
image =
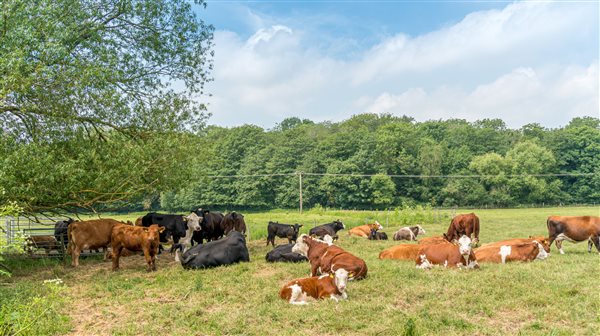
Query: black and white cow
{"type": "Point", "coordinates": [283, 253]}
{"type": "Point", "coordinates": [211, 223]}
{"type": "Point", "coordinates": [329, 228]}
{"type": "Point", "coordinates": [289, 231]}
{"type": "Point", "coordinates": [229, 250]}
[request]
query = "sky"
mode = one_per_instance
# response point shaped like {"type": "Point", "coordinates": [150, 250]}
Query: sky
{"type": "Point", "coordinates": [524, 62]}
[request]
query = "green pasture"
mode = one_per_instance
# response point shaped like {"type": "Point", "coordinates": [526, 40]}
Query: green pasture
{"type": "Point", "coordinates": [558, 296]}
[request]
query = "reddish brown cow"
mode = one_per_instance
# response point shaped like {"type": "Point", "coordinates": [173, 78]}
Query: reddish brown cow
{"type": "Point", "coordinates": [448, 255]}
{"type": "Point", "coordinates": [135, 238]}
{"type": "Point", "coordinates": [511, 250]}
{"type": "Point", "coordinates": [463, 224]}
{"type": "Point", "coordinates": [325, 286]}
{"type": "Point", "coordinates": [46, 242]}
{"type": "Point", "coordinates": [91, 234]}
{"type": "Point", "coordinates": [234, 221]}
{"type": "Point", "coordinates": [574, 229]}
{"type": "Point", "coordinates": [401, 252]}
{"type": "Point", "coordinates": [364, 230]}
{"type": "Point", "coordinates": [433, 240]}
{"type": "Point", "coordinates": [325, 258]}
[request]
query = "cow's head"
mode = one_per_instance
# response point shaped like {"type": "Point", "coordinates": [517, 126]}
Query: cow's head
{"type": "Point", "coordinates": [193, 221]}
{"type": "Point", "coordinates": [328, 239]}
{"type": "Point", "coordinates": [542, 254]}
{"type": "Point", "coordinates": [379, 226]}
{"type": "Point", "coordinates": [373, 234]}
{"type": "Point", "coordinates": [544, 241]}
{"type": "Point", "coordinates": [301, 245]}
{"type": "Point", "coordinates": [153, 231]}
{"type": "Point", "coordinates": [420, 230]}
{"type": "Point", "coordinates": [338, 225]}
{"type": "Point", "coordinates": [464, 245]}
{"type": "Point", "coordinates": [341, 279]}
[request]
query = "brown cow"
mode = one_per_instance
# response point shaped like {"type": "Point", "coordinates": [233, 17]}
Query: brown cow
{"type": "Point", "coordinates": [46, 242]}
{"type": "Point", "coordinates": [138, 221]}
{"type": "Point", "coordinates": [90, 234]}
{"type": "Point", "coordinates": [325, 258]}
{"type": "Point", "coordinates": [135, 238]}
{"type": "Point", "coordinates": [433, 240]}
{"type": "Point", "coordinates": [511, 250]}
{"type": "Point", "coordinates": [233, 221]}
{"type": "Point", "coordinates": [574, 229]}
{"type": "Point", "coordinates": [448, 255]}
{"type": "Point", "coordinates": [325, 286]}
{"type": "Point", "coordinates": [464, 224]}
{"type": "Point", "coordinates": [401, 252]}
{"type": "Point", "coordinates": [365, 230]}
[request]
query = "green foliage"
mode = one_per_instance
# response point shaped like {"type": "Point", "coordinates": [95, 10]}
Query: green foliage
{"type": "Point", "coordinates": [18, 242]}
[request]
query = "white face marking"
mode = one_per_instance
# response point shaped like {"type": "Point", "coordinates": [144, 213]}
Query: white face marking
{"type": "Point", "coordinates": [421, 230]}
{"type": "Point", "coordinates": [379, 227]}
{"type": "Point", "coordinates": [464, 245]}
{"type": "Point", "coordinates": [193, 222]}
{"type": "Point", "coordinates": [505, 252]}
{"type": "Point", "coordinates": [301, 247]}
{"type": "Point", "coordinates": [328, 239]}
{"type": "Point", "coordinates": [542, 254]}
{"type": "Point", "coordinates": [341, 279]}
{"type": "Point", "coordinates": [425, 264]}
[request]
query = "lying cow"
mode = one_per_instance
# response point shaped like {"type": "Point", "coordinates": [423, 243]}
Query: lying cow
{"type": "Point", "coordinates": [364, 230]}
{"type": "Point", "coordinates": [89, 235]}
{"type": "Point", "coordinates": [289, 231]}
{"type": "Point", "coordinates": [210, 221]}
{"type": "Point", "coordinates": [283, 253]}
{"type": "Point", "coordinates": [401, 252]}
{"type": "Point", "coordinates": [135, 238]}
{"type": "Point", "coordinates": [45, 242]}
{"type": "Point", "coordinates": [376, 235]}
{"type": "Point", "coordinates": [329, 228]}
{"type": "Point", "coordinates": [464, 224]}
{"type": "Point", "coordinates": [574, 229]}
{"type": "Point", "coordinates": [326, 258]}
{"type": "Point", "coordinates": [511, 250]}
{"type": "Point", "coordinates": [409, 233]}
{"type": "Point", "coordinates": [433, 240]}
{"type": "Point", "coordinates": [448, 255]}
{"type": "Point", "coordinates": [229, 250]}
{"type": "Point", "coordinates": [233, 221]}
{"type": "Point", "coordinates": [325, 286]}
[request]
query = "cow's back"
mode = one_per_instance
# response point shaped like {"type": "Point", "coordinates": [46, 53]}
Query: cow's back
{"type": "Point", "coordinates": [226, 251]}
{"type": "Point", "coordinates": [91, 234]}
{"type": "Point", "coordinates": [401, 252]}
{"type": "Point", "coordinates": [509, 251]}
{"type": "Point", "coordinates": [336, 258]}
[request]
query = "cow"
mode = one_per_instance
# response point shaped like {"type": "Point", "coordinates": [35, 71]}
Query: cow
{"type": "Point", "coordinates": [233, 221]}
{"type": "Point", "coordinates": [375, 235]}
{"type": "Point", "coordinates": [90, 234]}
{"type": "Point", "coordinates": [433, 240]}
{"type": "Point", "coordinates": [210, 221]}
{"type": "Point", "coordinates": [448, 255]}
{"type": "Point", "coordinates": [463, 224]}
{"type": "Point", "coordinates": [46, 242]}
{"type": "Point", "coordinates": [176, 226]}
{"type": "Point", "coordinates": [60, 230]}
{"type": "Point", "coordinates": [325, 286]}
{"type": "Point", "coordinates": [409, 233]}
{"type": "Point", "coordinates": [193, 226]}
{"type": "Point", "coordinates": [401, 252]}
{"type": "Point", "coordinates": [574, 229]}
{"type": "Point", "coordinates": [364, 230]}
{"type": "Point", "coordinates": [511, 250]}
{"type": "Point", "coordinates": [283, 253]}
{"type": "Point", "coordinates": [325, 258]}
{"type": "Point", "coordinates": [544, 241]}
{"type": "Point", "coordinates": [289, 231]}
{"type": "Point", "coordinates": [135, 238]}
{"type": "Point", "coordinates": [229, 250]}
{"type": "Point", "coordinates": [329, 228]}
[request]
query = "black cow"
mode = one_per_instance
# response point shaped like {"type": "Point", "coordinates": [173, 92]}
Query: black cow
{"type": "Point", "coordinates": [234, 221]}
{"type": "Point", "coordinates": [230, 250]}
{"type": "Point", "coordinates": [376, 235]}
{"type": "Point", "coordinates": [60, 230]}
{"type": "Point", "coordinates": [329, 228]}
{"type": "Point", "coordinates": [283, 253]}
{"type": "Point", "coordinates": [210, 221]}
{"type": "Point", "coordinates": [175, 226]}
{"type": "Point", "coordinates": [288, 231]}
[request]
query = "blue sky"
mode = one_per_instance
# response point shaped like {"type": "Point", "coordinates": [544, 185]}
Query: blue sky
{"type": "Point", "coordinates": [328, 60]}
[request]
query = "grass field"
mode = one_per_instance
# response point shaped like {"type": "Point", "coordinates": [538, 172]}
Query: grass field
{"type": "Point", "coordinates": [557, 296]}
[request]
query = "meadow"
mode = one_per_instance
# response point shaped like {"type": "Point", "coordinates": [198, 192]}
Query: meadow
{"type": "Point", "coordinates": [557, 296]}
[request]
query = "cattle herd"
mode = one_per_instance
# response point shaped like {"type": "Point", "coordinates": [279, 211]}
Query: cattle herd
{"type": "Point", "coordinates": [331, 267]}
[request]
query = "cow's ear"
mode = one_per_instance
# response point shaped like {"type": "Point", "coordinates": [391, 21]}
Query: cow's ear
{"type": "Point", "coordinates": [161, 229]}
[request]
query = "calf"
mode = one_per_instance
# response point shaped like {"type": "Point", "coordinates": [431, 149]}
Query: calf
{"type": "Point", "coordinates": [574, 229]}
{"type": "Point", "coordinates": [90, 234]}
{"type": "Point", "coordinates": [510, 250]}
{"type": "Point", "coordinates": [448, 255]}
{"type": "Point", "coordinates": [329, 228]}
{"type": "Point", "coordinates": [233, 221]}
{"type": "Point", "coordinates": [229, 250]}
{"type": "Point", "coordinates": [409, 233]}
{"type": "Point", "coordinates": [364, 230]}
{"type": "Point", "coordinates": [325, 286]}
{"type": "Point", "coordinates": [401, 252]}
{"type": "Point", "coordinates": [375, 235]}
{"type": "Point", "coordinates": [464, 224]}
{"type": "Point", "coordinates": [135, 238]}
{"type": "Point", "coordinates": [288, 231]}
{"type": "Point", "coordinates": [325, 258]}
{"type": "Point", "coordinates": [46, 242]}
{"type": "Point", "coordinates": [283, 253]}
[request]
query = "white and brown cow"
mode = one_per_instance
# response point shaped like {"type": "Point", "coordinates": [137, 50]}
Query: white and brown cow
{"type": "Point", "coordinates": [519, 249]}
{"type": "Point", "coordinates": [574, 229]}
{"type": "Point", "coordinates": [409, 233]}
{"type": "Point", "coordinates": [448, 255]}
{"type": "Point", "coordinates": [331, 285]}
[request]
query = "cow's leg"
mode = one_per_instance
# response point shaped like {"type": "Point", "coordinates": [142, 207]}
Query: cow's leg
{"type": "Point", "coordinates": [559, 246]}
{"type": "Point", "coordinates": [596, 241]}
{"type": "Point", "coordinates": [313, 269]}
{"type": "Point", "coordinates": [75, 256]}
{"type": "Point", "coordinates": [116, 253]}
{"type": "Point", "coordinates": [334, 298]}
{"type": "Point", "coordinates": [149, 260]}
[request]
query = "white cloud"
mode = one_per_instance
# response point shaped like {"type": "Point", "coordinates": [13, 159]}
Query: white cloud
{"type": "Point", "coordinates": [530, 62]}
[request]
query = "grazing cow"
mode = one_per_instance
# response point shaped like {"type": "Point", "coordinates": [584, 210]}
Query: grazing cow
{"type": "Point", "coordinates": [60, 230]}
{"type": "Point", "coordinates": [329, 228]}
{"type": "Point", "coordinates": [288, 231]}
{"type": "Point", "coordinates": [325, 258]}
{"type": "Point", "coordinates": [464, 224]}
{"type": "Point", "coordinates": [210, 221]}
{"type": "Point", "coordinates": [233, 221]}
{"type": "Point", "coordinates": [401, 252]}
{"type": "Point", "coordinates": [325, 286]}
{"type": "Point", "coordinates": [283, 253]}
{"type": "Point", "coordinates": [135, 238]}
{"type": "Point", "coordinates": [448, 255]}
{"type": "Point", "coordinates": [364, 230]}
{"type": "Point", "coordinates": [433, 240]}
{"type": "Point", "coordinates": [47, 242]}
{"type": "Point", "coordinates": [229, 250]}
{"type": "Point", "coordinates": [90, 234]}
{"type": "Point", "coordinates": [574, 229]}
{"type": "Point", "coordinates": [511, 250]}
{"type": "Point", "coordinates": [375, 235]}
{"type": "Point", "coordinates": [409, 233]}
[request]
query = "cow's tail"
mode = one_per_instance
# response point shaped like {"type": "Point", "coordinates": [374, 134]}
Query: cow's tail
{"type": "Point", "coordinates": [476, 231]}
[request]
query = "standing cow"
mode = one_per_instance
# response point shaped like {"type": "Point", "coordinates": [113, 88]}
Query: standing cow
{"type": "Point", "coordinates": [89, 235]}
{"type": "Point", "coordinates": [464, 224]}
{"type": "Point", "coordinates": [327, 229]}
{"type": "Point", "coordinates": [289, 231]}
{"type": "Point", "coordinates": [233, 221]}
{"type": "Point", "coordinates": [175, 225]}
{"type": "Point", "coordinates": [574, 229]}
{"type": "Point", "coordinates": [211, 223]}
{"type": "Point", "coordinates": [135, 238]}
